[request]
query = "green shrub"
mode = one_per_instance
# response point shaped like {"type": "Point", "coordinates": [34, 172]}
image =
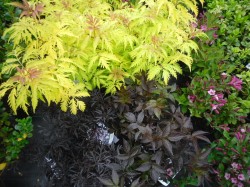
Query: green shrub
{"type": "Point", "coordinates": [8, 15]}
{"type": "Point", "coordinates": [234, 20]}
{"type": "Point", "coordinates": [63, 49]}
{"type": "Point", "coordinates": [13, 138]}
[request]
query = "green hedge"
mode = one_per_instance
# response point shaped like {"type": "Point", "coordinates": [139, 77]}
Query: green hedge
{"type": "Point", "coordinates": [234, 21]}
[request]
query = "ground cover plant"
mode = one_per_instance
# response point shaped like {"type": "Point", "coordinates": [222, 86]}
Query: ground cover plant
{"type": "Point", "coordinates": [13, 137]}
{"type": "Point", "coordinates": [233, 18]}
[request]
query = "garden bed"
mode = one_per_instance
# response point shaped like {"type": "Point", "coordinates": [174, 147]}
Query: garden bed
{"type": "Point", "coordinates": [102, 81]}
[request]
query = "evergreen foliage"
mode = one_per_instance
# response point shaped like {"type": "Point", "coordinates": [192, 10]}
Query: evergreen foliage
{"type": "Point", "coordinates": [63, 49]}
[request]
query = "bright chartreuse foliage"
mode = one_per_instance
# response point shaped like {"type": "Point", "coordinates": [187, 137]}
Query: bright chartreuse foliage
{"type": "Point", "coordinates": [62, 49]}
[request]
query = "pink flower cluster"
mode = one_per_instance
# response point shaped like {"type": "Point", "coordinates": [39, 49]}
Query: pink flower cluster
{"type": "Point", "coordinates": [236, 177]}
{"type": "Point", "coordinates": [224, 127]}
{"type": "Point", "coordinates": [219, 100]}
{"type": "Point", "coordinates": [191, 98]}
{"type": "Point", "coordinates": [240, 135]}
{"type": "Point", "coordinates": [236, 83]}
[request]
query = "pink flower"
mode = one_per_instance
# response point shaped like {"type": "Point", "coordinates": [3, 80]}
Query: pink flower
{"type": "Point", "coordinates": [236, 83]}
{"type": "Point", "coordinates": [194, 25]}
{"type": "Point", "coordinates": [223, 75]}
{"type": "Point", "coordinates": [234, 180]}
{"type": "Point", "coordinates": [215, 171]}
{"type": "Point", "coordinates": [244, 150]}
{"type": "Point", "coordinates": [240, 184]}
{"type": "Point", "coordinates": [242, 130]}
{"type": "Point", "coordinates": [211, 92]}
{"type": "Point", "coordinates": [224, 127]}
{"type": "Point", "coordinates": [219, 149]}
{"type": "Point", "coordinates": [215, 36]}
{"type": "Point", "coordinates": [234, 165]}
{"type": "Point", "coordinates": [227, 176]}
{"type": "Point", "coordinates": [240, 136]}
{"type": "Point", "coordinates": [222, 102]}
{"type": "Point", "coordinates": [204, 28]}
{"type": "Point", "coordinates": [217, 97]}
{"type": "Point", "coordinates": [241, 177]}
{"type": "Point", "coordinates": [215, 108]}
{"type": "Point", "coordinates": [191, 98]}
{"type": "Point", "coordinates": [170, 172]}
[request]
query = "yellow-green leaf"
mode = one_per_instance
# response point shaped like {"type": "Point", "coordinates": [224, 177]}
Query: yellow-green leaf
{"type": "Point", "coordinates": [2, 166]}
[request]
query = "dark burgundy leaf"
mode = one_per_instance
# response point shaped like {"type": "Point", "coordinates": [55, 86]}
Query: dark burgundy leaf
{"type": "Point", "coordinates": [140, 117]}
{"type": "Point", "coordinates": [107, 182]}
{"type": "Point", "coordinates": [132, 126]}
{"type": "Point", "coordinates": [114, 166]}
{"type": "Point", "coordinates": [178, 119]}
{"type": "Point", "coordinates": [144, 167]}
{"type": "Point", "coordinates": [153, 144]}
{"type": "Point", "coordinates": [180, 162]}
{"type": "Point", "coordinates": [115, 177]}
{"type": "Point", "coordinates": [171, 97]}
{"type": "Point", "coordinates": [122, 157]}
{"type": "Point", "coordinates": [137, 135]}
{"type": "Point", "coordinates": [131, 161]}
{"type": "Point", "coordinates": [130, 117]}
{"type": "Point", "coordinates": [173, 88]}
{"type": "Point", "coordinates": [174, 125]}
{"type": "Point", "coordinates": [154, 175]}
{"type": "Point", "coordinates": [188, 124]}
{"type": "Point", "coordinates": [158, 168]}
{"type": "Point", "coordinates": [134, 151]}
{"type": "Point", "coordinates": [146, 139]}
{"type": "Point", "coordinates": [196, 146]}
{"type": "Point", "coordinates": [196, 133]}
{"type": "Point", "coordinates": [126, 146]}
{"type": "Point", "coordinates": [204, 138]}
{"type": "Point", "coordinates": [157, 112]}
{"type": "Point", "coordinates": [135, 183]}
{"type": "Point", "coordinates": [172, 107]}
{"type": "Point", "coordinates": [157, 157]}
{"type": "Point", "coordinates": [168, 146]}
{"type": "Point", "coordinates": [178, 110]}
{"type": "Point", "coordinates": [175, 137]}
{"type": "Point", "coordinates": [151, 104]}
{"type": "Point", "coordinates": [139, 107]}
{"type": "Point", "coordinates": [205, 154]}
{"type": "Point", "coordinates": [166, 130]}
{"type": "Point", "coordinates": [144, 156]}
{"type": "Point", "coordinates": [132, 173]}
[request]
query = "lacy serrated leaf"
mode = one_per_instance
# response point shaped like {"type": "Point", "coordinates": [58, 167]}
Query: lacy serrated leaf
{"type": "Point", "coordinates": [12, 100]}
{"type": "Point", "coordinates": [34, 96]}
{"type": "Point", "coordinates": [81, 105]}
{"type": "Point", "coordinates": [73, 106]}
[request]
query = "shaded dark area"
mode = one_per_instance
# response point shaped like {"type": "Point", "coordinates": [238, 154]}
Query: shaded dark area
{"type": "Point", "coordinates": [66, 150]}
